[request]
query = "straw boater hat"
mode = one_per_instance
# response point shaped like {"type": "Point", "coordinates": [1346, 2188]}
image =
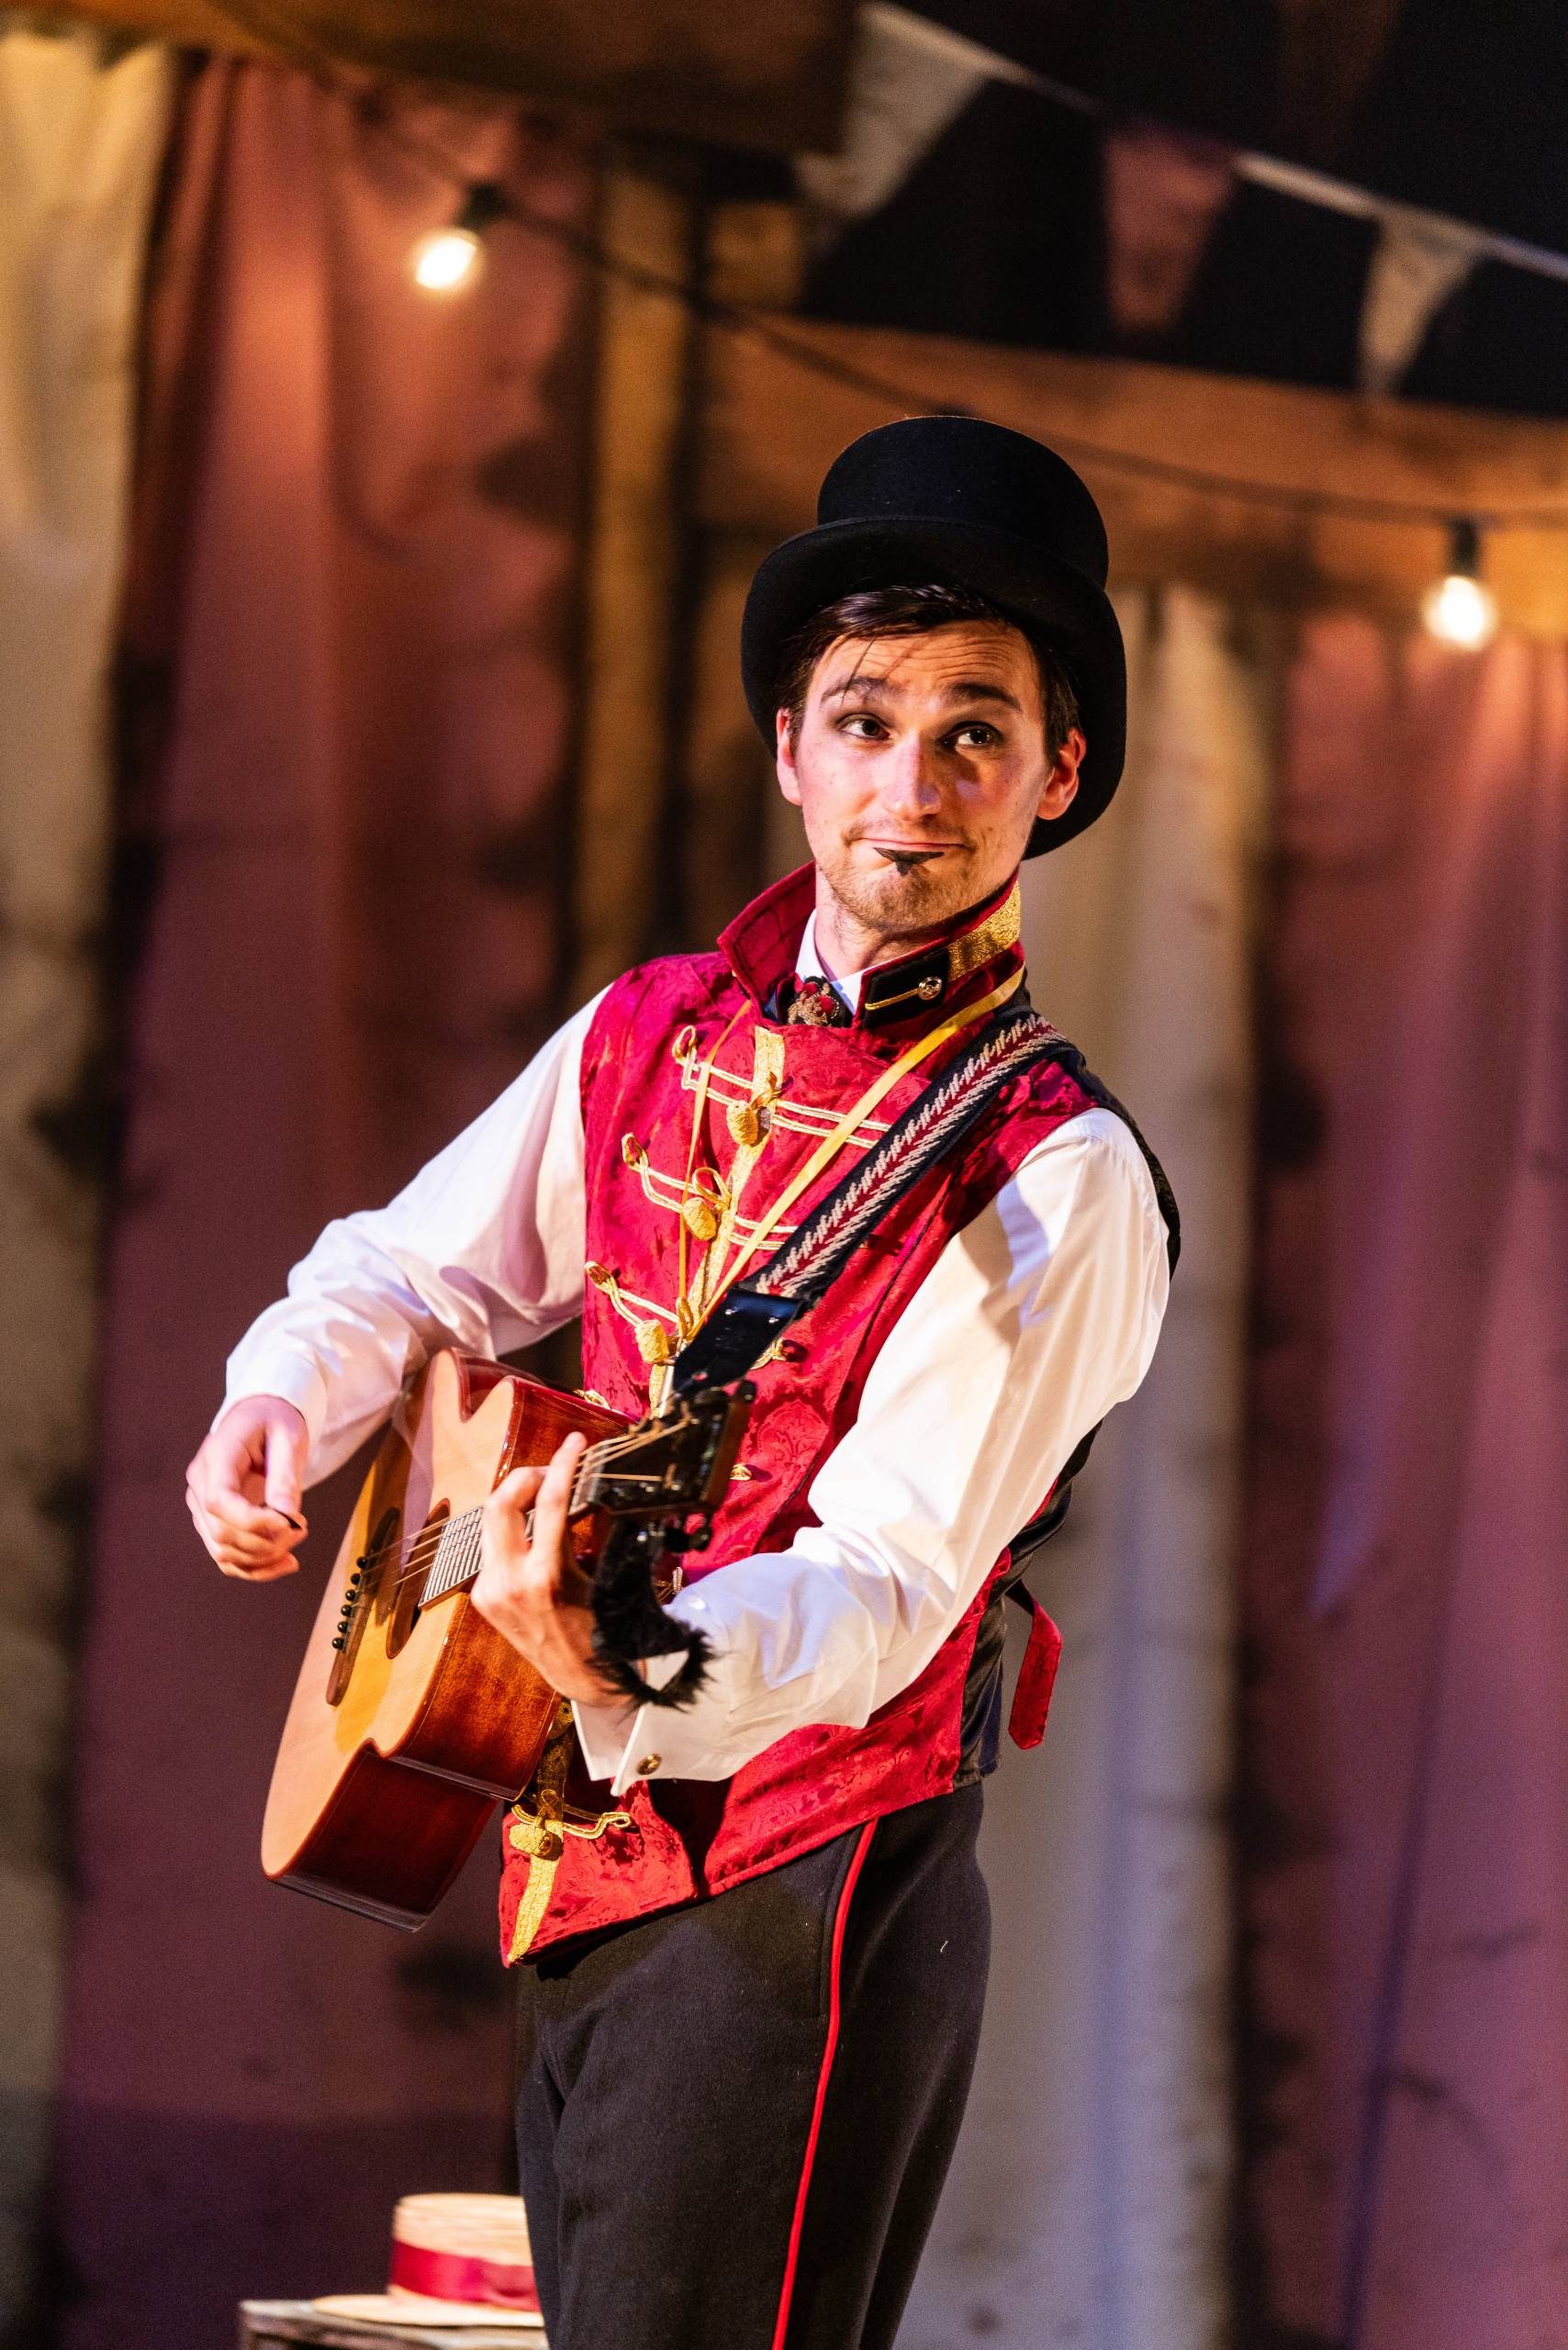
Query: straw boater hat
{"type": "Point", "coordinates": [957, 502]}
{"type": "Point", "coordinates": [457, 2260]}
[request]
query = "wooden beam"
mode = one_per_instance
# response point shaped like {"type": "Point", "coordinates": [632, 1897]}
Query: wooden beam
{"type": "Point", "coordinates": [632, 577]}
{"type": "Point", "coordinates": [754, 254]}
{"type": "Point", "coordinates": [680, 68]}
{"type": "Point", "coordinates": [1329, 52]}
{"type": "Point", "coordinates": [772, 427]}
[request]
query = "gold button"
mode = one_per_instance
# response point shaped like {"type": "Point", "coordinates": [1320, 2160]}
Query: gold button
{"type": "Point", "coordinates": [701, 1218]}
{"type": "Point", "coordinates": [540, 1843]}
{"type": "Point", "coordinates": [748, 1122]}
{"type": "Point", "coordinates": [653, 1342]}
{"type": "Point", "coordinates": [648, 1765]}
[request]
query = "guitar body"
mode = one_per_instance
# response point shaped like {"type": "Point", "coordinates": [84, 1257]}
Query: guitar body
{"type": "Point", "coordinates": [412, 1718]}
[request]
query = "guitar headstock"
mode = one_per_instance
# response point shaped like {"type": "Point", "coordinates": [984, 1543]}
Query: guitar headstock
{"type": "Point", "coordinates": [676, 1462]}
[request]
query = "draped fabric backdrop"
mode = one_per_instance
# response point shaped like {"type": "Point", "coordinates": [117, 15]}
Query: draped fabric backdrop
{"type": "Point", "coordinates": [1406, 1902]}
{"type": "Point", "coordinates": [348, 671]}
{"type": "Point", "coordinates": [349, 639]}
{"type": "Point", "coordinates": [81, 130]}
{"type": "Point", "coordinates": [1090, 2201]}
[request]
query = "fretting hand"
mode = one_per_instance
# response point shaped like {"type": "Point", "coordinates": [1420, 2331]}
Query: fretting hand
{"type": "Point", "coordinates": [531, 1587]}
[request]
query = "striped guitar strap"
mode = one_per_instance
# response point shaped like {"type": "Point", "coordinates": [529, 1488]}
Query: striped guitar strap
{"type": "Point", "coordinates": [753, 1314]}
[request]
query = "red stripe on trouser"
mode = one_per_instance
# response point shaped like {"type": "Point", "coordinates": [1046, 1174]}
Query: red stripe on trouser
{"type": "Point", "coordinates": [840, 1921]}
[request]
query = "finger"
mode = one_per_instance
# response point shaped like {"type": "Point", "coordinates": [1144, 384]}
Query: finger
{"type": "Point", "coordinates": [507, 1506]}
{"type": "Point", "coordinates": [247, 1569]}
{"type": "Point", "coordinates": [519, 1486]}
{"type": "Point", "coordinates": [258, 1574]}
{"type": "Point", "coordinates": [239, 1553]}
{"type": "Point", "coordinates": [200, 1520]}
{"type": "Point", "coordinates": [231, 1510]}
{"type": "Point", "coordinates": [270, 1544]}
{"type": "Point", "coordinates": [253, 1569]}
{"type": "Point", "coordinates": [286, 1471]}
{"type": "Point", "coordinates": [553, 1506]}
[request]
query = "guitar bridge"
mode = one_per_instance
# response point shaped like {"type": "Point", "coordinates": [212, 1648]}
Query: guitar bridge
{"type": "Point", "coordinates": [360, 1592]}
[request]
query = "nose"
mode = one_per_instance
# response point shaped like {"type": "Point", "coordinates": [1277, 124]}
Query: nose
{"type": "Point", "coordinates": [910, 778]}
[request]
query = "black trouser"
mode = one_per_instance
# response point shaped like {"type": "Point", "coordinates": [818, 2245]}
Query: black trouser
{"type": "Point", "coordinates": [734, 2120]}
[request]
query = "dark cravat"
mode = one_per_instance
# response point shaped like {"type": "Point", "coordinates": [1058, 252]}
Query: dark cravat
{"type": "Point", "coordinates": [816, 1003]}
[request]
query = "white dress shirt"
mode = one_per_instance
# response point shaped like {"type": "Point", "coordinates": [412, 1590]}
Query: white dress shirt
{"type": "Point", "coordinates": [1037, 1317]}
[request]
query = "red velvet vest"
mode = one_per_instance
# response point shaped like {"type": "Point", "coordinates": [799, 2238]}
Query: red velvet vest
{"type": "Point", "coordinates": [699, 1107]}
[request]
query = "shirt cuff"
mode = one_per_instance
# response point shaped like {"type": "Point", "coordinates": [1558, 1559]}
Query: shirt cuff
{"type": "Point", "coordinates": [604, 1733]}
{"type": "Point", "coordinates": [626, 1742]}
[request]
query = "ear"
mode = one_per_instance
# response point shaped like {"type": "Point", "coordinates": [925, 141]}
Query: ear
{"type": "Point", "coordinates": [1061, 784]}
{"type": "Point", "coordinates": [784, 759]}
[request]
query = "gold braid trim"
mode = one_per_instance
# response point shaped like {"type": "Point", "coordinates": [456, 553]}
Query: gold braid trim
{"type": "Point", "coordinates": [990, 938]}
{"type": "Point", "coordinates": [541, 1832]}
{"type": "Point", "coordinates": [751, 1141]}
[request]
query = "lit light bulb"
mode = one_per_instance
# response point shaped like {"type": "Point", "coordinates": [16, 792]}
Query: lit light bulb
{"type": "Point", "coordinates": [1460, 609]}
{"type": "Point", "coordinates": [447, 259]}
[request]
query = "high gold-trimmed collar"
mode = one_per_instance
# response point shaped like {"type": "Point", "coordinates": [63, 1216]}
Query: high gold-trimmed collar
{"type": "Point", "coordinates": [762, 943]}
{"type": "Point", "coordinates": [932, 974]}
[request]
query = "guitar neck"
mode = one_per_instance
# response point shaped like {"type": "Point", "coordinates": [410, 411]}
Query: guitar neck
{"type": "Point", "coordinates": [449, 1555]}
{"type": "Point", "coordinates": [678, 1464]}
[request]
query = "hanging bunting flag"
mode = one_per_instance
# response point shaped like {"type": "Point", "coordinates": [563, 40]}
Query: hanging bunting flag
{"type": "Point", "coordinates": [1418, 263]}
{"type": "Point", "coordinates": [908, 80]}
{"type": "Point", "coordinates": [1164, 192]}
{"type": "Point", "coordinates": [1165, 188]}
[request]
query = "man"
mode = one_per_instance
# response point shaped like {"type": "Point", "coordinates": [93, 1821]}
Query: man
{"type": "Point", "coordinates": [754, 1965]}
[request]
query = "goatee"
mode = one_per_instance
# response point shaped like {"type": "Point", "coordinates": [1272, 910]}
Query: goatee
{"type": "Point", "coordinates": [904, 860]}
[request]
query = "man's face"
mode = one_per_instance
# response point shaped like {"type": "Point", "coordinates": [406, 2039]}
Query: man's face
{"type": "Point", "coordinates": [918, 769]}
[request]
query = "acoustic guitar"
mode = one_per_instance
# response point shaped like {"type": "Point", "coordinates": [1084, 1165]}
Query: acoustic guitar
{"type": "Point", "coordinates": [412, 1717]}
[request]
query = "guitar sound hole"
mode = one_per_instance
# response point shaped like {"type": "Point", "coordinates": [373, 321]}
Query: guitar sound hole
{"type": "Point", "coordinates": [405, 1594]}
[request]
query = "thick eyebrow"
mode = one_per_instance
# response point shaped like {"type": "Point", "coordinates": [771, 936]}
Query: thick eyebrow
{"type": "Point", "coordinates": [872, 689]}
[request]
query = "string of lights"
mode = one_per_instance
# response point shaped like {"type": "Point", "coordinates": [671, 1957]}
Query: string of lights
{"type": "Point", "coordinates": [1458, 608]}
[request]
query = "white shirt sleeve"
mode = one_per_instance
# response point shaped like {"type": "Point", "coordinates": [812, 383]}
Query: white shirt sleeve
{"type": "Point", "coordinates": [1033, 1321]}
{"type": "Point", "coordinates": [484, 1250]}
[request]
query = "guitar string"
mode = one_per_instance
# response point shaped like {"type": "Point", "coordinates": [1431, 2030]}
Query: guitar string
{"type": "Point", "coordinates": [425, 1548]}
{"type": "Point", "coordinates": [608, 1448]}
{"type": "Point", "coordinates": [422, 1552]}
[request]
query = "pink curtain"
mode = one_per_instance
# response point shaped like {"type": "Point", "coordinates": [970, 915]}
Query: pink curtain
{"type": "Point", "coordinates": [1092, 2194]}
{"type": "Point", "coordinates": [1407, 1890]}
{"type": "Point", "coordinates": [80, 132]}
{"type": "Point", "coordinates": [348, 660]}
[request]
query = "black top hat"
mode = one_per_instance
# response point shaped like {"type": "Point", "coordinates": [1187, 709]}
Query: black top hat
{"type": "Point", "coordinates": [953, 501]}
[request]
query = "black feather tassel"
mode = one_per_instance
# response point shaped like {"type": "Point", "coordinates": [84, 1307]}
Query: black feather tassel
{"type": "Point", "coordinates": [630, 1624]}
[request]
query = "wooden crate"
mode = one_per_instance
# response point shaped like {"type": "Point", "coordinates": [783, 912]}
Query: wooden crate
{"type": "Point", "coordinates": [263, 2323]}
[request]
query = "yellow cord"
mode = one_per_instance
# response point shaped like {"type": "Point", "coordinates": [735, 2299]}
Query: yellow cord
{"type": "Point", "coordinates": [834, 1142]}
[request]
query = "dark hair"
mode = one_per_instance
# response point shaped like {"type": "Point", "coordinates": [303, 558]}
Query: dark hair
{"type": "Point", "coordinates": [910, 611]}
